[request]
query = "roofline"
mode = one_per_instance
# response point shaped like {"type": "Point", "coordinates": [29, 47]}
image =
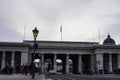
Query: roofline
{"type": "Point", "coordinates": [107, 46]}
{"type": "Point", "coordinates": [20, 44]}
{"type": "Point", "coordinates": [61, 41]}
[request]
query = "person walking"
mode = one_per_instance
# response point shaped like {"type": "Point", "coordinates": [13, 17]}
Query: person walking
{"type": "Point", "coordinates": [25, 69]}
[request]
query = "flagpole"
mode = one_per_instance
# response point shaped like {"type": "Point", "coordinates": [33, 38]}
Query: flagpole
{"type": "Point", "coordinates": [24, 32]}
{"type": "Point", "coordinates": [61, 31]}
{"type": "Point", "coordinates": [99, 35]}
{"type": "Point", "coordinates": [61, 36]}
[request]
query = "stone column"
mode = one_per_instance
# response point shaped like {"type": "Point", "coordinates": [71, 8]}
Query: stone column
{"type": "Point", "coordinates": [110, 62]}
{"type": "Point", "coordinates": [99, 59]}
{"type": "Point", "coordinates": [118, 61]}
{"type": "Point", "coordinates": [42, 63]}
{"type": "Point", "coordinates": [29, 58]}
{"type": "Point", "coordinates": [3, 60]}
{"type": "Point", "coordinates": [67, 64]}
{"type": "Point", "coordinates": [24, 58]}
{"type": "Point", "coordinates": [13, 59]}
{"type": "Point", "coordinates": [55, 65]}
{"type": "Point", "coordinates": [92, 62]}
{"type": "Point", "coordinates": [79, 64]}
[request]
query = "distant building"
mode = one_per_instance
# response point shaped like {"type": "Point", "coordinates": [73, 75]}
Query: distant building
{"type": "Point", "coordinates": [85, 56]}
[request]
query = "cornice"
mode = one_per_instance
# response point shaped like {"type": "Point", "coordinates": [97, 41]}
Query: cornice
{"type": "Point", "coordinates": [14, 44]}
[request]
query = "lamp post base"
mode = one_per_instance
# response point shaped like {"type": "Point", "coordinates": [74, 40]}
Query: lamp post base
{"type": "Point", "coordinates": [33, 76]}
{"type": "Point", "coordinates": [33, 73]}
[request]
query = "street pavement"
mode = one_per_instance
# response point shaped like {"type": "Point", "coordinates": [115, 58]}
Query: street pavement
{"type": "Point", "coordinates": [60, 77]}
{"type": "Point", "coordinates": [83, 77]}
{"type": "Point", "coordinates": [21, 77]}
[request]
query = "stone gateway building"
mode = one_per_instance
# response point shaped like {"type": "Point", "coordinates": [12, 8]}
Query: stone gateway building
{"type": "Point", "coordinates": [85, 56]}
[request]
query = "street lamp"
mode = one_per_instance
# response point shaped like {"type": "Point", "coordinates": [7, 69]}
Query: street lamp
{"type": "Point", "coordinates": [35, 34]}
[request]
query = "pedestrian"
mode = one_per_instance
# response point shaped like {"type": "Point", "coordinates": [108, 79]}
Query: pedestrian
{"type": "Point", "coordinates": [25, 69]}
{"type": "Point", "coordinates": [30, 69]}
{"type": "Point", "coordinates": [7, 68]}
{"type": "Point", "coordinates": [11, 70]}
{"type": "Point", "coordinates": [17, 69]}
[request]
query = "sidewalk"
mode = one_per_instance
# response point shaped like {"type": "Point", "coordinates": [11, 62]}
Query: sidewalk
{"type": "Point", "coordinates": [21, 77]}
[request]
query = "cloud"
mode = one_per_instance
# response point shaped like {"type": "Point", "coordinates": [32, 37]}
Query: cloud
{"type": "Point", "coordinates": [81, 19]}
{"type": "Point", "coordinates": [9, 35]}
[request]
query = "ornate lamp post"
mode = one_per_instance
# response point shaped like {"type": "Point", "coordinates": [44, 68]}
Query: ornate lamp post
{"type": "Point", "coordinates": [35, 34]}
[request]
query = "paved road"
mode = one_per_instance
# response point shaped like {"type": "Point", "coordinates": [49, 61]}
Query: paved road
{"type": "Point", "coordinates": [21, 77]}
{"type": "Point", "coordinates": [82, 77]}
{"type": "Point", "coordinates": [60, 77]}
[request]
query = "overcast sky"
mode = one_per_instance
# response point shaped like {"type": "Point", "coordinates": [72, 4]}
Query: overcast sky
{"type": "Point", "coordinates": [80, 19]}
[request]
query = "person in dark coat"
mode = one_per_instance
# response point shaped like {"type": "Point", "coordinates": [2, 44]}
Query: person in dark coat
{"type": "Point", "coordinates": [11, 69]}
{"type": "Point", "coordinates": [25, 69]}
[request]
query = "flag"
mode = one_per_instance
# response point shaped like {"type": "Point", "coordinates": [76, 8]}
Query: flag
{"type": "Point", "coordinates": [61, 28]}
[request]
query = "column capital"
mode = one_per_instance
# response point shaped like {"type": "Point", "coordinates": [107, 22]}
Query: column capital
{"type": "Point", "coordinates": [3, 51]}
{"type": "Point", "coordinates": [42, 53]}
{"type": "Point", "coordinates": [110, 53]}
{"type": "Point", "coordinates": [80, 54]}
{"type": "Point", "coordinates": [54, 54]}
{"type": "Point", "coordinates": [13, 52]}
{"type": "Point", "coordinates": [67, 54]}
{"type": "Point", "coordinates": [99, 53]}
